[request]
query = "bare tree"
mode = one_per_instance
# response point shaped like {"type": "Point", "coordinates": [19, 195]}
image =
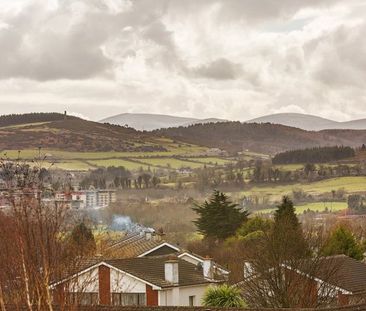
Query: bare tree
{"type": "Point", "coordinates": [33, 245]}
{"type": "Point", "coordinates": [276, 276]}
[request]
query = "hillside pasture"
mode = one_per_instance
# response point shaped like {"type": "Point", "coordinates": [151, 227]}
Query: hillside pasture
{"type": "Point", "coordinates": [169, 163]}
{"type": "Point", "coordinates": [211, 160]}
{"type": "Point", "coordinates": [130, 165]}
{"type": "Point", "coordinates": [349, 184]}
{"type": "Point", "coordinates": [314, 207]}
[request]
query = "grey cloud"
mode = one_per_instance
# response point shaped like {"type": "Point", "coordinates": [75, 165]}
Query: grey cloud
{"type": "Point", "coordinates": [220, 69]}
{"type": "Point", "coordinates": [254, 10]}
{"type": "Point", "coordinates": [339, 57]}
{"type": "Point", "coordinates": [31, 48]}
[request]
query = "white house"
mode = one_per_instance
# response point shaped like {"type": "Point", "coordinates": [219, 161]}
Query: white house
{"type": "Point", "coordinates": [151, 244]}
{"type": "Point", "coordinates": [151, 281]}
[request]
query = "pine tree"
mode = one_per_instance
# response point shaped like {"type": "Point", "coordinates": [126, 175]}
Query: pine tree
{"type": "Point", "coordinates": [287, 232]}
{"type": "Point", "coordinates": [219, 218]}
{"type": "Point", "coordinates": [286, 213]}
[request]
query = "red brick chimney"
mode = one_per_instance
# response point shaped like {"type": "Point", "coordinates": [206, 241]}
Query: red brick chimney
{"type": "Point", "coordinates": [104, 274]}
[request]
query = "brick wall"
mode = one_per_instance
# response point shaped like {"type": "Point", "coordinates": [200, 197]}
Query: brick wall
{"type": "Point", "coordinates": [152, 298]}
{"type": "Point", "coordinates": [130, 308]}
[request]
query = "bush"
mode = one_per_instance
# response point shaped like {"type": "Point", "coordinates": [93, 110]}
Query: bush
{"type": "Point", "coordinates": [223, 296]}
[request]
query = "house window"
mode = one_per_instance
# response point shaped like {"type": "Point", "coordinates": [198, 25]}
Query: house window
{"type": "Point", "coordinates": [82, 298]}
{"type": "Point", "coordinates": [128, 299]}
{"type": "Point", "coordinates": [191, 300]}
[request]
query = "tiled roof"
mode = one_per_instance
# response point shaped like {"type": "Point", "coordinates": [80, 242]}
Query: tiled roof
{"type": "Point", "coordinates": [130, 246]}
{"type": "Point", "coordinates": [349, 274]}
{"type": "Point", "coordinates": [151, 269]}
{"type": "Point", "coordinates": [134, 245]}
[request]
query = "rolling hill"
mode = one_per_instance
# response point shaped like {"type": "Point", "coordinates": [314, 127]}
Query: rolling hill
{"type": "Point", "coordinates": [149, 122]}
{"type": "Point", "coordinates": [261, 137]}
{"type": "Point", "coordinates": [309, 122]}
{"type": "Point", "coordinates": [55, 131]}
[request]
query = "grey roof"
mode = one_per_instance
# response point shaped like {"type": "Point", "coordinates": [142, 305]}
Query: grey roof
{"type": "Point", "coordinates": [349, 274]}
{"type": "Point", "coordinates": [131, 245]}
{"type": "Point", "coordinates": [151, 269]}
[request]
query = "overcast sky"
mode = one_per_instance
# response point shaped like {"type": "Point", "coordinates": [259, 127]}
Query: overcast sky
{"type": "Point", "coordinates": [235, 59]}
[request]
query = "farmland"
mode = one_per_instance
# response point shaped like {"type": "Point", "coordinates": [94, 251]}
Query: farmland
{"type": "Point", "coordinates": [175, 158]}
{"type": "Point", "coordinates": [314, 207]}
{"type": "Point", "coordinates": [349, 184]}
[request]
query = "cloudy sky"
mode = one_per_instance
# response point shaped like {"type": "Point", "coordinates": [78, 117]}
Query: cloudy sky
{"type": "Point", "coordinates": [235, 59]}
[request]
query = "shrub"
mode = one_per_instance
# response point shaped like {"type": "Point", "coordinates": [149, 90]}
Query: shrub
{"type": "Point", "coordinates": [223, 296]}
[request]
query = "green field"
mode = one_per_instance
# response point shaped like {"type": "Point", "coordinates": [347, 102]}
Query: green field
{"type": "Point", "coordinates": [173, 149]}
{"type": "Point", "coordinates": [118, 162]}
{"type": "Point", "coordinates": [72, 166]}
{"type": "Point", "coordinates": [289, 167]}
{"type": "Point", "coordinates": [210, 160]}
{"type": "Point", "coordinates": [316, 207]}
{"type": "Point", "coordinates": [130, 160]}
{"type": "Point", "coordinates": [350, 184]}
{"type": "Point", "coordinates": [169, 163]}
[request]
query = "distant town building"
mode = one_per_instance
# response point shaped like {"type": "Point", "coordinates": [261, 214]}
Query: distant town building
{"type": "Point", "coordinates": [90, 199]}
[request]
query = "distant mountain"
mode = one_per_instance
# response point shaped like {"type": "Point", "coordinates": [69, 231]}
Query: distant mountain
{"type": "Point", "coordinates": [149, 122]}
{"type": "Point", "coordinates": [261, 137]}
{"type": "Point", "coordinates": [309, 122]}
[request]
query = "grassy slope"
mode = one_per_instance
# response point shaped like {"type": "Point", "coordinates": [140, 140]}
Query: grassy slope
{"type": "Point", "coordinates": [316, 206]}
{"type": "Point", "coordinates": [350, 184]}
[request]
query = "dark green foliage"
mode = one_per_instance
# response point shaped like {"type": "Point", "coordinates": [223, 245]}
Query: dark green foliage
{"type": "Point", "coordinates": [219, 218]}
{"type": "Point", "coordinates": [254, 227]}
{"type": "Point", "coordinates": [223, 296]}
{"type": "Point", "coordinates": [355, 203]}
{"type": "Point", "coordinates": [82, 240]}
{"type": "Point", "coordinates": [342, 241]}
{"type": "Point", "coordinates": [287, 232]}
{"type": "Point", "coordinates": [286, 213]}
{"type": "Point", "coordinates": [35, 117]}
{"type": "Point", "coordinates": [101, 178]}
{"type": "Point", "coordinates": [314, 155]}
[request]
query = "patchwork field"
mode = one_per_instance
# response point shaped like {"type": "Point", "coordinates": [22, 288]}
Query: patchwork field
{"type": "Point", "coordinates": [315, 207]}
{"type": "Point", "coordinates": [169, 163]}
{"type": "Point", "coordinates": [130, 165]}
{"type": "Point", "coordinates": [175, 158]}
{"type": "Point", "coordinates": [211, 160]}
{"type": "Point", "coordinates": [349, 184]}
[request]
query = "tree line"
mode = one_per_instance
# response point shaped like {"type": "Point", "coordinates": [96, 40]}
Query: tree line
{"type": "Point", "coordinates": [314, 155]}
{"type": "Point", "coordinates": [119, 178]}
{"type": "Point", "coordinates": [34, 117]}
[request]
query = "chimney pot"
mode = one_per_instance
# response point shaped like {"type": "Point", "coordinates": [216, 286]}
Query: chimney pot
{"type": "Point", "coordinates": [171, 270]}
{"type": "Point", "coordinates": [148, 235]}
{"type": "Point", "coordinates": [208, 268]}
{"type": "Point", "coordinates": [248, 269]}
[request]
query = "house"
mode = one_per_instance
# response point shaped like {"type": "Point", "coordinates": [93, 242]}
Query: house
{"type": "Point", "coordinates": [347, 283]}
{"type": "Point", "coordinates": [151, 281]}
{"type": "Point", "coordinates": [151, 244]}
{"type": "Point", "coordinates": [334, 280]}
